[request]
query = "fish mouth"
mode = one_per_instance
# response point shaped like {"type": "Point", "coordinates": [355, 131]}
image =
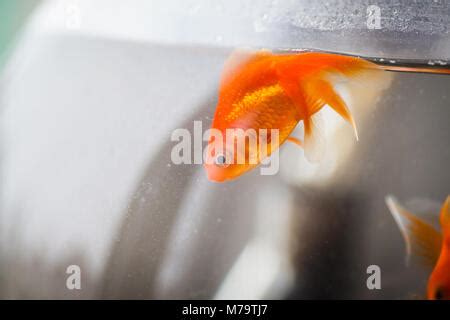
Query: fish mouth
{"type": "Point", "coordinates": [221, 174]}
{"type": "Point", "coordinates": [213, 173]}
{"type": "Point", "coordinates": [215, 176]}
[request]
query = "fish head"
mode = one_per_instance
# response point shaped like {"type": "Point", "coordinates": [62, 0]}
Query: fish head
{"type": "Point", "coordinates": [231, 153]}
{"type": "Point", "coordinates": [219, 169]}
{"type": "Point", "coordinates": [249, 100]}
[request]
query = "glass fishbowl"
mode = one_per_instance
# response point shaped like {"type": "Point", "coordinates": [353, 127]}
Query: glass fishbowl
{"type": "Point", "coordinates": [95, 97]}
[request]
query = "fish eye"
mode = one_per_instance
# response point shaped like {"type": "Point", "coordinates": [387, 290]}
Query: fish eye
{"type": "Point", "coordinates": [221, 161]}
{"type": "Point", "coordinates": [439, 294]}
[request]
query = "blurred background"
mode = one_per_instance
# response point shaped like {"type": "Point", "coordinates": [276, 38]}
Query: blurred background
{"type": "Point", "coordinates": [90, 93]}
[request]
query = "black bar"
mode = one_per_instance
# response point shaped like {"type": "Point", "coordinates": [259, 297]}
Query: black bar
{"type": "Point", "coordinates": [178, 309]}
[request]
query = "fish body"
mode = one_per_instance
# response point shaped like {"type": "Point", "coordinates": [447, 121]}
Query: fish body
{"type": "Point", "coordinates": [273, 91]}
{"type": "Point", "coordinates": [265, 90]}
{"type": "Point", "coordinates": [427, 236]}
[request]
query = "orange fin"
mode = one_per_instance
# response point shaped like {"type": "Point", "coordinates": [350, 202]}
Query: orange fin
{"type": "Point", "coordinates": [421, 238]}
{"type": "Point", "coordinates": [295, 140]}
{"type": "Point", "coordinates": [320, 89]}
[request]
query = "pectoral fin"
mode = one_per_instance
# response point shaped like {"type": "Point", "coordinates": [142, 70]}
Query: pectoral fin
{"type": "Point", "coordinates": [421, 238]}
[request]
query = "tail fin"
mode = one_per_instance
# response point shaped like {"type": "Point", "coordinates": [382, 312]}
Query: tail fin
{"type": "Point", "coordinates": [421, 238]}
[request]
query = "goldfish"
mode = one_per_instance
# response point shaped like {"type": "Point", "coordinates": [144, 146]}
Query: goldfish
{"type": "Point", "coordinates": [275, 91]}
{"type": "Point", "coordinates": [427, 236]}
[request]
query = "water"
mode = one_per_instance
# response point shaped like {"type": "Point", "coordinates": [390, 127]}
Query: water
{"type": "Point", "coordinates": [87, 179]}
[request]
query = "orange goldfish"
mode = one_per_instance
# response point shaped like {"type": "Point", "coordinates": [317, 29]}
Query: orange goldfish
{"type": "Point", "coordinates": [427, 235]}
{"type": "Point", "coordinates": [264, 90]}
